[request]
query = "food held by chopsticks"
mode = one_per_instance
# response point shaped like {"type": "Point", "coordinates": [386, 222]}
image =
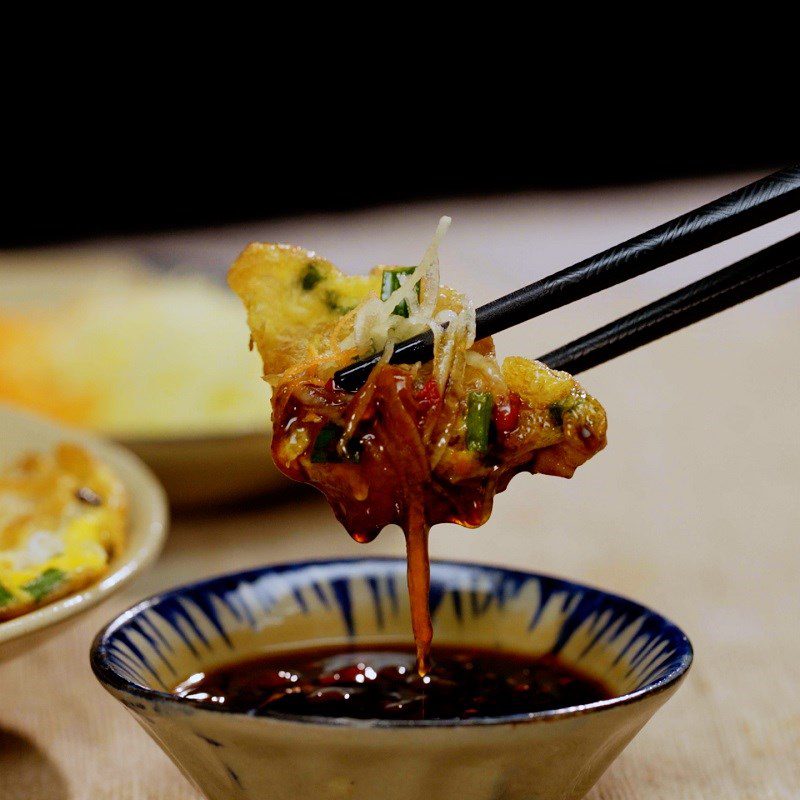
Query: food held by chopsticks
{"type": "Point", "coordinates": [63, 516]}
{"type": "Point", "coordinates": [147, 358]}
{"type": "Point", "coordinates": [417, 444]}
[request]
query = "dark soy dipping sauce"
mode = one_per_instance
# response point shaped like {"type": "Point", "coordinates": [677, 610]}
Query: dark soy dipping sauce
{"type": "Point", "coordinates": [382, 682]}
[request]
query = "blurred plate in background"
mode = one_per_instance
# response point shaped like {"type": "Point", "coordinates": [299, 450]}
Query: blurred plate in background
{"type": "Point", "coordinates": [155, 359]}
{"type": "Point", "coordinates": [22, 433]}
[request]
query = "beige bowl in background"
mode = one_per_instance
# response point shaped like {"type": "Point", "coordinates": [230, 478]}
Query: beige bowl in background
{"type": "Point", "coordinates": [21, 432]}
{"type": "Point", "coordinates": [203, 471]}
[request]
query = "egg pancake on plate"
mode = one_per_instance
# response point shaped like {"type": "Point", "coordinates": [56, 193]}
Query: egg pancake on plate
{"type": "Point", "coordinates": [63, 517]}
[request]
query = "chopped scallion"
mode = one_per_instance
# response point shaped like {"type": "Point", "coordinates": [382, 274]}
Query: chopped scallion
{"type": "Point", "coordinates": [557, 410]}
{"type": "Point", "coordinates": [325, 444]}
{"type": "Point", "coordinates": [557, 413]}
{"type": "Point", "coordinates": [5, 596]}
{"type": "Point", "coordinates": [311, 277]}
{"type": "Point", "coordinates": [391, 282]}
{"type": "Point", "coordinates": [479, 417]}
{"type": "Point", "coordinates": [325, 450]}
{"type": "Point", "coordinates": [334, 303]}
{"type": "Point", "coordinates": [40, 587]}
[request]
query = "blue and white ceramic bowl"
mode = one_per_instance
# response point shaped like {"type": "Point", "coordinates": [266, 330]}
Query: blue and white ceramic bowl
{"type": "Point", "coordinates": [549, 755]}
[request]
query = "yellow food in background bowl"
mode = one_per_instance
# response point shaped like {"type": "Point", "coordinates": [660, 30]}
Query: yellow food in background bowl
{"type": "Point", "coordinates": [160, 357]}
{"type": "Point", "coordinates": [156, 362]}
{"type": "Point", "coordinates": [63, 517]}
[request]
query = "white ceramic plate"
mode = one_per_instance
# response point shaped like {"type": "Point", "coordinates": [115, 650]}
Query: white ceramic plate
{"type": "Point", "coordinates": [20, 433]}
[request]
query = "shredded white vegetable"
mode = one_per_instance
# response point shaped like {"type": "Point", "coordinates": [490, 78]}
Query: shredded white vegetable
{"type": "Point", "coordinates": [376, 321]}
{"type": "Point", "coordinates": [376, 324]}
{"type": "Point", "coordinates": [470, 313]}
{"type": "Point", "coordinates": [486, 365]}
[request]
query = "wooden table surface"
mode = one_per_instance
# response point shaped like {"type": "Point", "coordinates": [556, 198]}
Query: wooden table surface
{"type": "Point", "coordinates": [694, 508]}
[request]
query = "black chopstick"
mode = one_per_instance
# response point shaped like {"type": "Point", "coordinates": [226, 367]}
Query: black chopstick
{"type": "Point", "coordinates": [741, 281]}
{"type": "Point", "coordinates": [751, 206]}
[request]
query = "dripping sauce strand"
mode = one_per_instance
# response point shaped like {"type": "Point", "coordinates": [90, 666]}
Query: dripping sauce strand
{"type": "Point", "coordinates": [419, 587]}
{"type": "Point", "coordinates": [391, 480]}
{"type": "Point", "coordinates": [382, 474]}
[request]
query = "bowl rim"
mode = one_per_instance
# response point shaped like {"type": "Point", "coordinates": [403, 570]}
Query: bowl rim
{"type": "Point", "coordinates": [111, 679]}
{"type": "Point", "coordinates": [155, 523]}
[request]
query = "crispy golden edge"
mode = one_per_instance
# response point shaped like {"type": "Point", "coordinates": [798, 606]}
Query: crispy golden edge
{"type": "Point", "coordinates": [294, 330]}
{"type": "Point", "coordinates": [288, 322]}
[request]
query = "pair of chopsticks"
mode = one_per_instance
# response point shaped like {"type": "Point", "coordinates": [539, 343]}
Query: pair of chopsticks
{"type": "Point", "coordinates": [747, 208]}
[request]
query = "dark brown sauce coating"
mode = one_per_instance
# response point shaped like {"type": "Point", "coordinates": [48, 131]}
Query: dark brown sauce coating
{"type": "Point", "coordinates": [389, 478]}
{"type": "Point", "coordinates": [382, 682]}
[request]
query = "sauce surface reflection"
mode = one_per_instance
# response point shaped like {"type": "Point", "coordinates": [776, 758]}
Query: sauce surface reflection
{"type": "Point", "coordinates": [382, 682]}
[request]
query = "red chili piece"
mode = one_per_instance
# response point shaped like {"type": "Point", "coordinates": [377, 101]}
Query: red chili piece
{"type": "Point", "coordinates": [428, 395]}
{"type": "Point", "coordinates": [506, 413]}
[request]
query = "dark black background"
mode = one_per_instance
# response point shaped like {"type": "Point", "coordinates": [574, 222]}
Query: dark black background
{"type": "Point", "coordinates": [191, 150]}
{"type": "Point", "coordinates": [121, 192]}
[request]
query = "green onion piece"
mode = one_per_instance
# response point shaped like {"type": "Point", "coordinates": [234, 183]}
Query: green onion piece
{"type": "Point", "coordinates": [479, 416]}
{"type": "Point", "coordinates": [325, 450]}
{"type": "Point", "coordinates": [325, 444]}
{"type": "Point", "coordinates": [40, 587]}
{"type": "Point", "coordinates": [5, 596]}
{"type": "Point", "coordinates": [311, 277]}
{"type": "Point", "coordinates": [557, 414]}
{"type": "Point", "coordinates": [557, 410]}
{"type": "Point", "coordinates": [332, 301]}
{"type": "Point", "coordinates": [391, 282]}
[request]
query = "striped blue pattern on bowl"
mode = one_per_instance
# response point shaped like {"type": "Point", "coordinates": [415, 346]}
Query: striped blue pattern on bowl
{"type": "Point", "coordinates": [163, 640]}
